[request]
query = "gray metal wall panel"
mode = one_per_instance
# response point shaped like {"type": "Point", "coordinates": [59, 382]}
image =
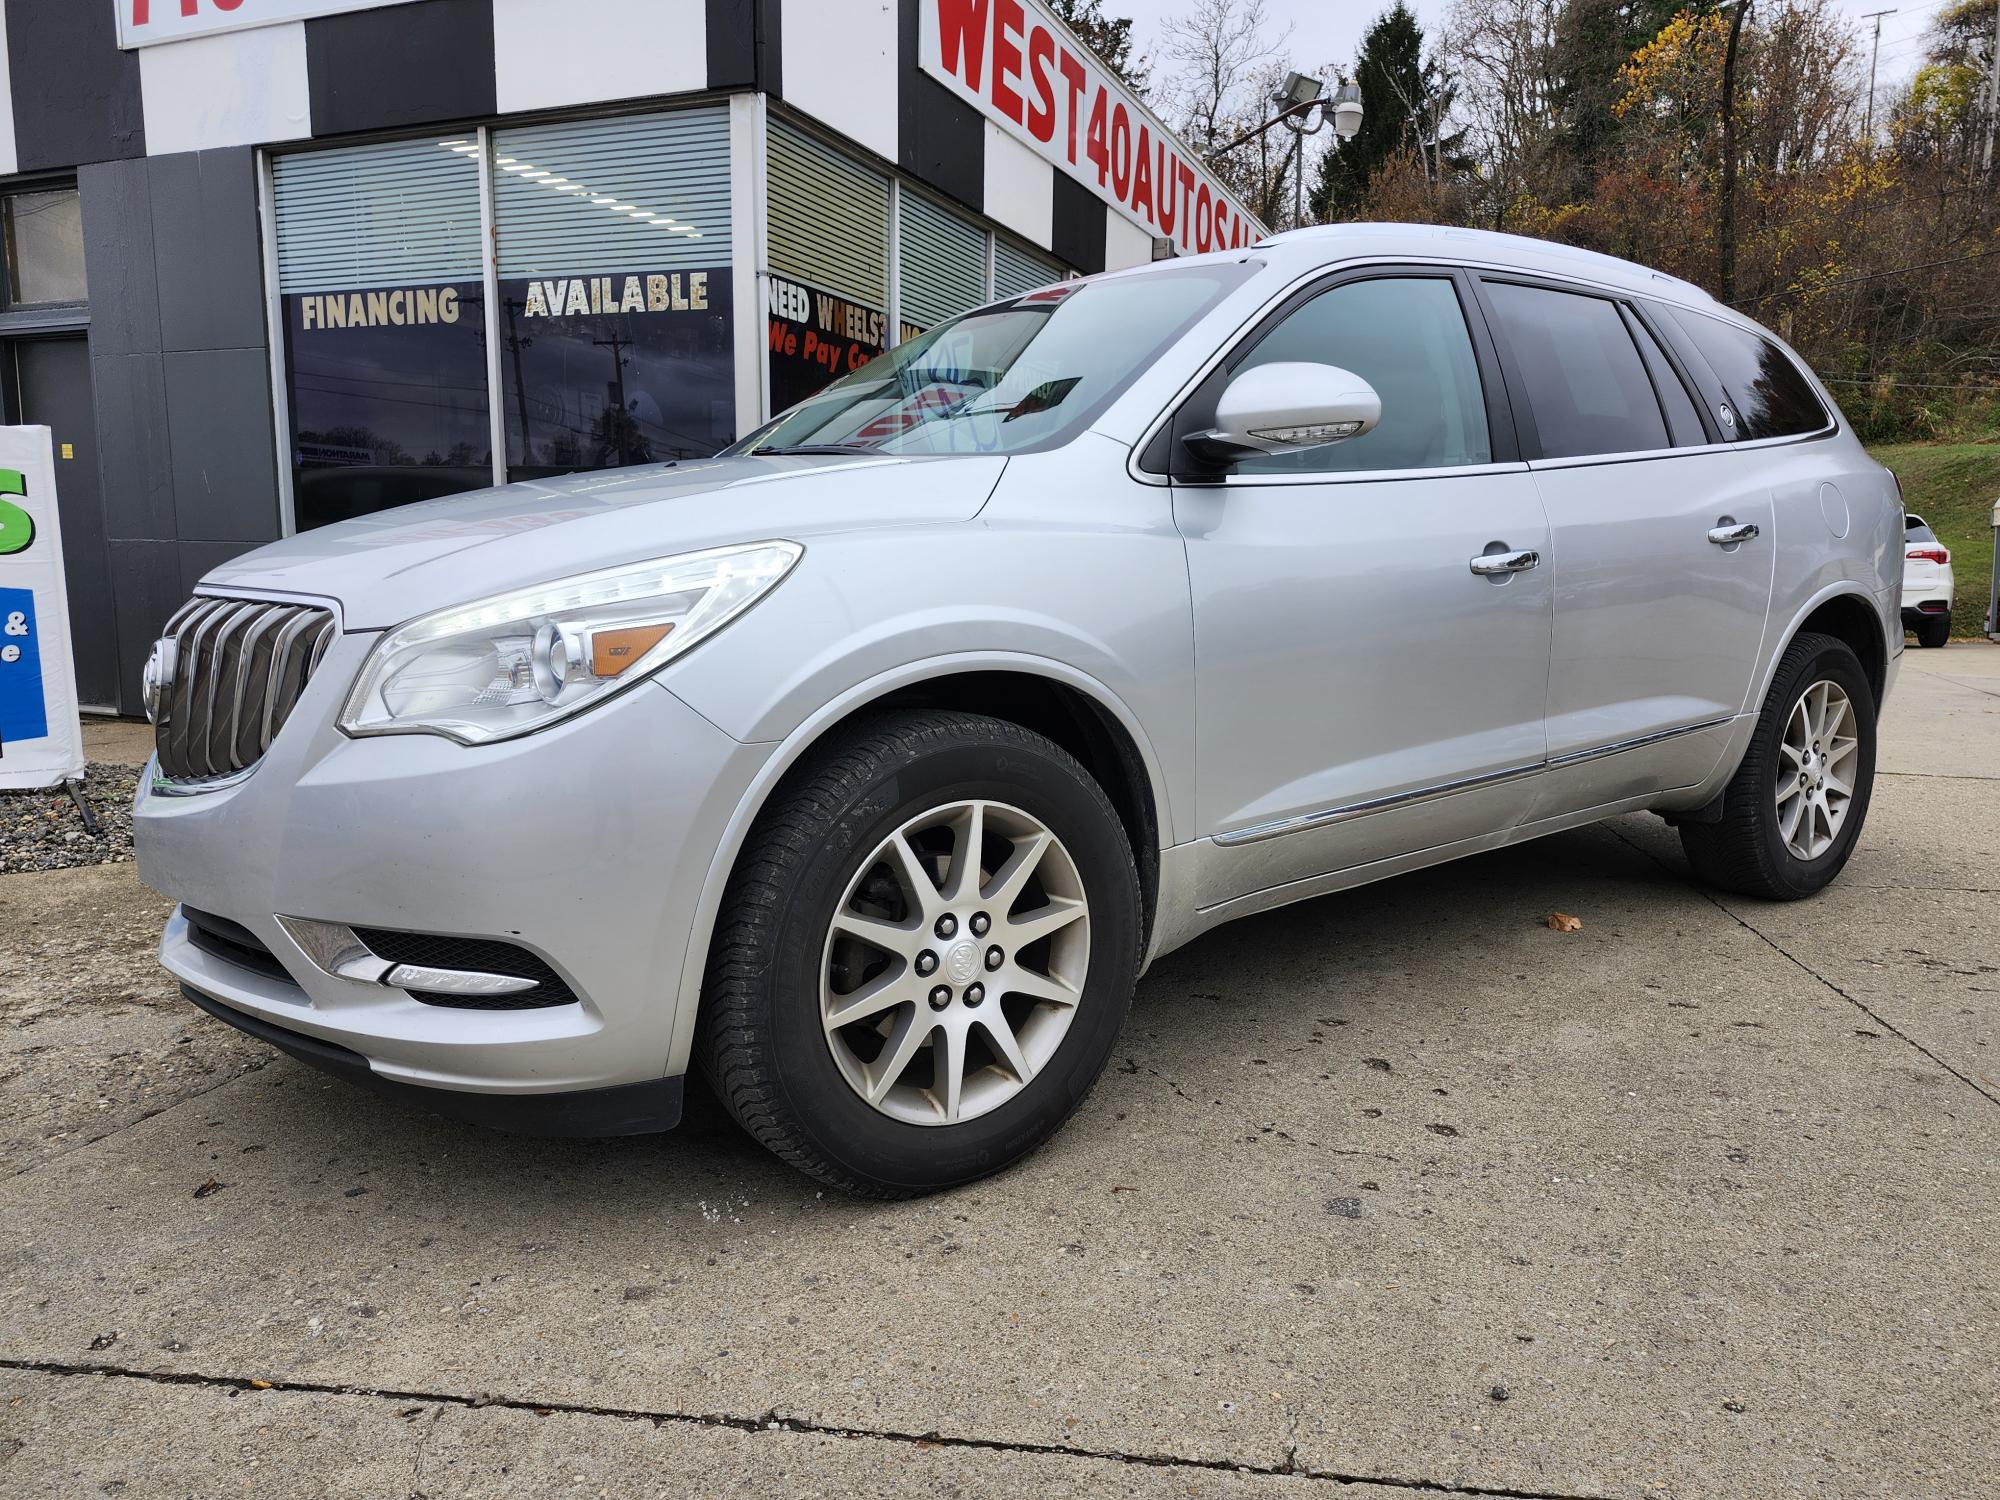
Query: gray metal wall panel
{"type": "Point", "coordinates": [146, 588]}
{"type": "Point", "coordinates": [118, 257]}
{"type": "Point", "coordinates": [75, 95]}
{"type": "Point", "coordinates": [416, 64]}
{"type": "Point", "coordinates": [207, 250]}
{"type": "Point", "coordinates": [135, 452]}
{"type": "Point", "coordinates": [225, 468]}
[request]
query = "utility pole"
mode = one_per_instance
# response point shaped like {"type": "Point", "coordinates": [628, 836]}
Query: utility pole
{"type": "Point", "coordinates": [1725, 235]}
{"type": "Point", "coordinates": [1874, 54]}
{"type": "Point", "coordinates": [1993, 109]}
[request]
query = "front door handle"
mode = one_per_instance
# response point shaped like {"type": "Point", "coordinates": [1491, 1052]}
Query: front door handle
{"type": "Point", "coordinates": [1490, 563]}
{"type": "Point", "coordinates": [1724, 536]}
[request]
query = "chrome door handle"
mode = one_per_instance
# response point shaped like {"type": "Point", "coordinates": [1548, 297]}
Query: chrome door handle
{"type": "Point", "coordinates": [1489, 563]}
{"type": "Point", "coordinates": [1723, 536]}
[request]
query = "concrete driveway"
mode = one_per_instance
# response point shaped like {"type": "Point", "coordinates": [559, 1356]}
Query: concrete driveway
{"type": "Point", "coordinates": [1395, 1193]}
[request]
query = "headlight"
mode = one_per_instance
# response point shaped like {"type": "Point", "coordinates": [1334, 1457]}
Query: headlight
{"type": "Point", "coordinates": [517, 663]}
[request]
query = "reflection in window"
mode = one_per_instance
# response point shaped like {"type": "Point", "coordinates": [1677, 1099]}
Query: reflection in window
{"type": "Point", "coordinates": [615, 290]}
{"type": "Point", "coordinates": [1585, 383]}
{"type": "Point", "coordinates": [385, 342]}
{"type": "Point", "coordinates": [829, 233]}
{"type": "Point", "coordinates": [1406, 337]}
{"type": "Point", "coordinates": [44, 247]}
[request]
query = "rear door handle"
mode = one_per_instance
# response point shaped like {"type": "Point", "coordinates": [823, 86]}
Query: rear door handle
{"type": "Point", "coordinates": [1489, 563]}
{"type": "Point", "coordinates": [1723, 536]}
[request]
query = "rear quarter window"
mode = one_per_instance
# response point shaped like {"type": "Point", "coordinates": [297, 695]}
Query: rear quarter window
{"type": "Point", "coordinates": [1770, 395]}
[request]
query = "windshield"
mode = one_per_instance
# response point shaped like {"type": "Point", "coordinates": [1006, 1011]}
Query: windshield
{"type": "Point", "coordinates": [1030, 373]}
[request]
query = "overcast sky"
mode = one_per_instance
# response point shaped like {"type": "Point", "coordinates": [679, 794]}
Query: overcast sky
{"type": "Point", "coordinates": [1329, 31]}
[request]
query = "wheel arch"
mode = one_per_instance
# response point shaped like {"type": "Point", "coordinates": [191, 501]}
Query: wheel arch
{"type": "Point", "coordinates": [1074, 710]}
{"type": "Point", "coordinates": [1849, 615]}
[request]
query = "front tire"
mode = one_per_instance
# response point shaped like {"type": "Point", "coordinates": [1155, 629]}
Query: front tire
{"type": "Point", "coordinates": [924, 955]}
{"type": "Point", "coordinates": [1795, 807]}
{"type": "Point", "coordinates": [1933, 630]}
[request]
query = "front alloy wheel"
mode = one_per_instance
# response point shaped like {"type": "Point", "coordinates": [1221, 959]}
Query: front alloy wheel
{"type": "Point", "coordinates": [924, 953]}
{"type": "Point", "coordinates": [955, 963]}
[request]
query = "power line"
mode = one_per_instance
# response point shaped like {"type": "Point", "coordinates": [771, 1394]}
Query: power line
{"type": "Point", "coordinates": [1804, 291]}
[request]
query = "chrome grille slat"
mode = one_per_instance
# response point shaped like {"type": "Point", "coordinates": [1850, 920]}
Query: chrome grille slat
{"type": "Point", "coordinates": [240, 666]}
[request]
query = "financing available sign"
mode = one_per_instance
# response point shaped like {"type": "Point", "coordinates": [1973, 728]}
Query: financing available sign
{"type": "Point", "coordinates": [144, 22]}
{"type": "Point", "coordinates": [1026, 72]}
{"type": "Point", "coordinates": [41, 738]}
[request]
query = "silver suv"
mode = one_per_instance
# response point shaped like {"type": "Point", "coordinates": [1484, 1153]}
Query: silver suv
{"type": "Point", "coordinates": [865, 765]}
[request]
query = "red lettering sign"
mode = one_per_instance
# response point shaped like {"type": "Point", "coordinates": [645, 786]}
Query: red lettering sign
{"type": "Point", "coordinates": [1015, 61]}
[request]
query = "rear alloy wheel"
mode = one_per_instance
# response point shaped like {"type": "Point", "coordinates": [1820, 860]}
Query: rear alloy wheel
{"type": "Point", "coordinates": [924, 954]}
{"type": "Point", "coordinates": [1795, 807]}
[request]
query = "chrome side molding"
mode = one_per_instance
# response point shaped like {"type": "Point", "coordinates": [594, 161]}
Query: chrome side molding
{"type": "Point", "coordinates": [1326, 817]}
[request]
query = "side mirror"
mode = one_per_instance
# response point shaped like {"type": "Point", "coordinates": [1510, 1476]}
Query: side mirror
{"type": "Point", "coordinates": [1288, 407]}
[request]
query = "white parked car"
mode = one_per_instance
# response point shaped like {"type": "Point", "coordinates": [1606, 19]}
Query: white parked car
{"type": "Point", "coordinates": [1927, 583]}
{"type": "Point", "coordinates": [865, 766]}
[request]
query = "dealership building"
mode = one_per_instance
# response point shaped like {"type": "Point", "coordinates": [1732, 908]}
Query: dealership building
{"type": "Point", "coordinates": [270, 264]}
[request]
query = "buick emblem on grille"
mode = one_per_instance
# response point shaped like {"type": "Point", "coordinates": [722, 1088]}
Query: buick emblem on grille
{"type": "Point", "coordinates": [158, 677]}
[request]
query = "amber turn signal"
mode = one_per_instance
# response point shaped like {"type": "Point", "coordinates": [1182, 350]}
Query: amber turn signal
{"type": "Point", "coordinates": [612, 651]}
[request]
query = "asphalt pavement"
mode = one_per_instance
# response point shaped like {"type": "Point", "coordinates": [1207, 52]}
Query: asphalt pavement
{"type": "Point", "coordinates": [1397, 1193]}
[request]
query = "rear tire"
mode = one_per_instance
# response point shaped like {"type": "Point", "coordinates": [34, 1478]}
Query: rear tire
{"type": "Point", "coordinates": [1787, 826]}
{"type": "Point", "coordinates": [1933, 630]}
{"type": "Point", "coordinates": [983, 1006]}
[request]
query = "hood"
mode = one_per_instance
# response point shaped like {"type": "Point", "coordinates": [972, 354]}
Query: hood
{"type": "Point", "coordinates": [388, 567]}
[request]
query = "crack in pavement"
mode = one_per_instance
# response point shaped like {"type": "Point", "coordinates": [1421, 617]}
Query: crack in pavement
{"type": "Point", "coordinates": [1807, 969]}
{"type": "Point", "coordinates": [771, 1422]}
{"type": "Point", "coordinates": [255, 1066]}
{"type": "Point", "coordinates": [1938, 775]}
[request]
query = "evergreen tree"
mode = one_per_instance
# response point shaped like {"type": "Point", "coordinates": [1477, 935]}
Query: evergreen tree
{"type": "Point", "coordinates": [1110, 37]}
{"type": "Point", "coordinates": [1403, 98]}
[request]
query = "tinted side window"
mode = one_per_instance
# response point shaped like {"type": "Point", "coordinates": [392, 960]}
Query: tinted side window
{"type": "Point", "coordinates": [1586, 384]}
{"type": "Point", "coordinates": [1771, 397]}
{"type": "Point", "coordinates": [1406, 337]}
{"type": "Point", "coordinates": [1914, 530]}
{"type": "Point", "coordinates": [1683, 421]}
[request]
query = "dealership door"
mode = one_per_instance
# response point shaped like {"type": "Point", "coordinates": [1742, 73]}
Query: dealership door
{"type": "Point", "coordinates": [53, 381]}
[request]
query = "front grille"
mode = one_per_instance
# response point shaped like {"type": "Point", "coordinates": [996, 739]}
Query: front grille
{"type": "Point", "coordinates": [238, 670]}
{"type": "Point", "coordinates": [485, 955]}
{"type": "Point", "coordinates": [232, 941]}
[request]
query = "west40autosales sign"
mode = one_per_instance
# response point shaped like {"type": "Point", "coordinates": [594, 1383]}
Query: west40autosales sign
{"type": "Point", "coordinates": [1024, 71]}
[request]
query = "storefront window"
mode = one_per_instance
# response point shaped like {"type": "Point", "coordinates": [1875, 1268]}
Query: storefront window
{"type": "Point", "coordinates": [44, 247]}
{"type": "Point", "coordinates": [384, 309]}
{"type": "Point", "coordinates": [941, 263]}
{"type": "Point", "coordinates": [615, 291]}
{"type": "Point", "coordinates": [829, 231]}
{"type": "Point", "coordinates": [1016, 271]}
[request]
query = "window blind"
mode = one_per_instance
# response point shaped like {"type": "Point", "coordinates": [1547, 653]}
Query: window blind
{"type": "Point", "coordinates": [1016, 271]}
{"type": "Point", "coordinates": [651, 192]}
{"type": "Point", "coordinates": [376, 216]}
{"type": "Point", "coordinates": [829, 218]}
{"type": "Point", "coordinates": [943, 262]}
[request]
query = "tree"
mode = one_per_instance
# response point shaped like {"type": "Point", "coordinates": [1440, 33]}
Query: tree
{"type": "Point", "coordinates": [1110, 37]}
{"type": "Point", "coordinates": [1405, 101]}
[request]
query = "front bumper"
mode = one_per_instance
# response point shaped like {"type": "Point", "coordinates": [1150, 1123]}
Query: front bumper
{"type": "Point", "coordinates": [588, 843]}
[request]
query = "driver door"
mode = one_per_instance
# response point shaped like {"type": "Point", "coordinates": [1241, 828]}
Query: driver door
{"type": "Point", "coordinates": [1361, 691]}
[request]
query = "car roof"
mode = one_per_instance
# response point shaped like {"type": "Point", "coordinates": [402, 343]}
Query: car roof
{"type": "Point", "coordinates": [1330, 244]}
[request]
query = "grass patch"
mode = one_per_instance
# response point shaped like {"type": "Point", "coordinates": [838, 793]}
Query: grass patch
{"type": "Point", "coordinates": [1953, 486]}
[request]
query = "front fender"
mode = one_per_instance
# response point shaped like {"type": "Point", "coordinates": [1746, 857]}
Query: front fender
{"type": "Point", "coordinates": [809, 732]}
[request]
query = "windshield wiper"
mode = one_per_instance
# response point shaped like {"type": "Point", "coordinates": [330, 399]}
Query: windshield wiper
{"type": "Point", "coordinates": [811, 450]}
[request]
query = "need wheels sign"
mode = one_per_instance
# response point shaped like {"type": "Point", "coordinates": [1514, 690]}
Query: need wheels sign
{"type": "Point", "coordinates": [41, 742]}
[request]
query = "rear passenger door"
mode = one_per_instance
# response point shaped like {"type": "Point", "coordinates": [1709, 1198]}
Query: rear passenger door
{"type": "Point", "coordinates": [1661, 538]}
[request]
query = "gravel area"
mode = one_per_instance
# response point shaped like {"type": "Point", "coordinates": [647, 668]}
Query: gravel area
{"type": "Point", "coordinates": [43, 831]}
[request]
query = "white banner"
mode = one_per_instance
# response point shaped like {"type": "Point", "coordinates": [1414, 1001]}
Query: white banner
{"type": "Point", "coordinates": [144, 22]}
{"type": "Point", "coordinates": [41, 738]}
{"type": "Point", "coordinates": [1024, 71]}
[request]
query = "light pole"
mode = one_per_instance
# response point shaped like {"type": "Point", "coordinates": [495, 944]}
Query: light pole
{"type": "Point", "coordinates": [1304, 109]}
{"type": "Point", "coordinates": [1725, 234]}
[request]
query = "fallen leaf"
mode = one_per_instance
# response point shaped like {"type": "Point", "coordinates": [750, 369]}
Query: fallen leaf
{"type": "Point", "coordinates": [1562, 921]}
{"type": "Point", "coordinates": [260, 1385]}
{"type": "Point", "coordinates": [210, 1186]}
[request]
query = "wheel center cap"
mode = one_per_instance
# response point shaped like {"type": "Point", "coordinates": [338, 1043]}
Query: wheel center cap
{"type": "Point", "coordinates": [961, 962]}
